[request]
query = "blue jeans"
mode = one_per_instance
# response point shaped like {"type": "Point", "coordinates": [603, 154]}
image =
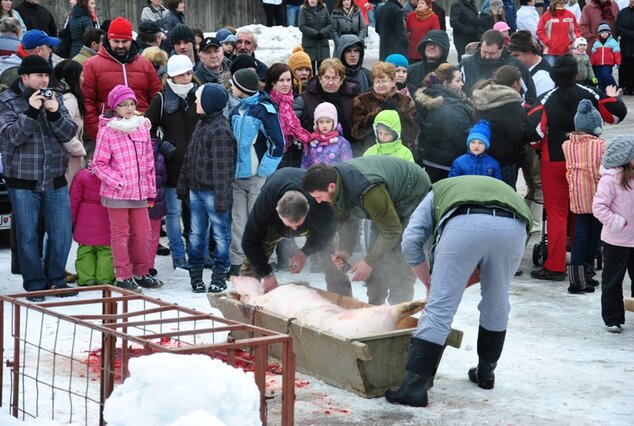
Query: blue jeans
{"type": "Point", "coordinates": [201, 204]}
{"type": "Point", "coordinates": [587, 238]}
{"type": "Point", "coordinates": [604, 75]}
{"type": "Point", "coordinates": [292, 13]}
{"type": "Point", "coordinates": [54, 205]}
{"type": "Point", "coordinates": [173, 223]}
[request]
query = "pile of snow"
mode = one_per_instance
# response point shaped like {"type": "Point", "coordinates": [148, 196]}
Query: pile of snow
{"type": "Point", "coordinates": [183, 390]}
{"type": "Point", "coordinates": [7, 420]}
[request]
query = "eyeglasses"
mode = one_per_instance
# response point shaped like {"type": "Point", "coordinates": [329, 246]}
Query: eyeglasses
{"type": "Point", "coordinates": [331, 79]}
{"type": "Point", "coordinates": [382, 82]}
{"type": "Point", "coordinates": [127, 105]}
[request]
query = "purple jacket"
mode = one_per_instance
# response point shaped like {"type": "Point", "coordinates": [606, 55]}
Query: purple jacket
{"type": "Point", "coordinates": [91, 226]}
{"type": "Point", "coordinates": [160, 169]}
{"type": "Point", "coordinates": [612, 199]}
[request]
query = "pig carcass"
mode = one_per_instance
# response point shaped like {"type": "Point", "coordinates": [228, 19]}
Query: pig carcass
{"type": "Point", "coordinates": [307, 306]}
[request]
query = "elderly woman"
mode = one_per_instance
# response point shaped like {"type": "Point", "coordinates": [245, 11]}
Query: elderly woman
{"type": "Point", "coordinates": [444, 116]}
{"type": "Point", "coordinates": [384, 95]}
{"type": "Point", "coordinates": [550, 122]}
{"type": "Point", "coordinates": [329, 85]}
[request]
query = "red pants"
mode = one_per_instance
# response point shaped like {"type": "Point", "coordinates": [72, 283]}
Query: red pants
{"type": "Point", "coordinates": [557, 205]}
{"type": "Point", "coordinates": [129, 236]}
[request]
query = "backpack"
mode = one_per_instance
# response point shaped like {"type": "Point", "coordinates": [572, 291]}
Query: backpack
{"type": "Point", "coordinates": [8, 76]}
{"type": "Point", "coordinates": [63, 48]}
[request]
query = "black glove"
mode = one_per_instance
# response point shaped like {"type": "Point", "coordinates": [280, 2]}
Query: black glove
{"type": "Point", "coordinates": [167, 149]}
{"type": "Point", "coordinates": [390, 103]}
{"type": "Point", "coordinates": [319, 36]}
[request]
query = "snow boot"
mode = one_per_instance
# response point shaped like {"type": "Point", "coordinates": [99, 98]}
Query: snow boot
{"type": "Point", "coordinates": [490, 344]}
{"type": "Point", "coordinates": [196, 280]}
{"type": "Point", "coordinates": [588, 271]}
{"type": "Point", "coordinates": [218, 282]}
{"type": "Point", "coordinates": [422, 361]}
{"type": "Point", "coordinates": [577, 277]}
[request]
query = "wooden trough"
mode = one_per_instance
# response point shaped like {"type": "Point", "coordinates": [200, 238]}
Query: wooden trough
{"type": "Point", "coordinates": [629, 304]}
{"type": "Point", "coordinates": [367, 366]}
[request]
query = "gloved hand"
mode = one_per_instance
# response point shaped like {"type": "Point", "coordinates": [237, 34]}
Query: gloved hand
{"type": "Point", "coordinates": [319, 36]}
{"type": "Point", "coordinates": [618, 223]}
{"type": "Point", "coordinates": [167, 149]}
{"type": "Point", "coordinates": [595, 81]}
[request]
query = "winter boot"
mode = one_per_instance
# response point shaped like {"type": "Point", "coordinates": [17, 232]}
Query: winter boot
{"type": "Point", "coordinates": [588, 272]}
{"type": "Point", "coordinates": [576, 274]}
{"type": "Point", "coordinates": [422, 360]}
{"type": "Point", "coordinates": [196, 280]}
{"type": "Point", "coordinates": [490, 344]}
{"type": "Point", "coordinates": [218, 282]}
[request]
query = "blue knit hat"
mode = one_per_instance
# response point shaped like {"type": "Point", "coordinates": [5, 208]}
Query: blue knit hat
{"type": "Point", "coordinates": [213, 97]}
{"type": "Point", "coordinates": [481, 131]}
{"type": "Point", "coordinates": [397, 60]}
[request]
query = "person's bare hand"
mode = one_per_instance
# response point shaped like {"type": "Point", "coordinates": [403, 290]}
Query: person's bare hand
{"type": "Point", "coordinates": [361, 270]}
{"type": "Point", "coordinates": [51, 105]}
{"type": "Point", "coordinates": [297, 262]}
{"type": "Point", "coordinates": [613, 91]}
{"type": "Point", "coordinates": [269, 283]}
{"type": "Point", "coordinates": [340, 258]}
{"type": "Point", "coordinates": [36, 100]}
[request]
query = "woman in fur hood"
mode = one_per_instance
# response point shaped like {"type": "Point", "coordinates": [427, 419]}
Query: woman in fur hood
{"type": "Point", "coordinates": [499, 102]}
{"type": "Point", "coordinates": [444, 116]}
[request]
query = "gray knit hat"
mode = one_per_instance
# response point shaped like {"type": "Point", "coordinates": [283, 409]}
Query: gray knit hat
{"type": "Point", "coordinates": [588, 119]}
{"type": "Point", "coordinates": [620, 151]}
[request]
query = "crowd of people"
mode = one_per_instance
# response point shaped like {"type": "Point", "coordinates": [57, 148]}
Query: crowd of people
{"type": "Point", "coordinates": [238, 157]}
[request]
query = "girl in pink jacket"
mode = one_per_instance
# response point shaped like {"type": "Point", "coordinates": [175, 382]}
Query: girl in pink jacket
{"type": "Point", "coordinates": [124, 162]}
{"type": "Point", "coordinates": [613, 205]}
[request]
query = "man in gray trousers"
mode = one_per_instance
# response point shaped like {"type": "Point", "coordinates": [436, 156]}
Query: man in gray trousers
{"type": "Point", "coordinates": [476, 222]}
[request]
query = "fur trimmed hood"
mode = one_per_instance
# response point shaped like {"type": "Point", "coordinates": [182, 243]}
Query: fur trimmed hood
{"type": "Point", "coordinates": [494, 95]}
{"type": "Point", "coordinates": [434, 96]}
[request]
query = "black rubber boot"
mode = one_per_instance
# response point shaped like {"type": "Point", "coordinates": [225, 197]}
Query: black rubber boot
{"type": "Point", "coordinates": [490, 344]}
{"type": "Point", "coordinates": [196, 280]}
{"type": "Point", "coordinates": [218, 282]}
{"type": "Point", "coordinates": [421, 366]}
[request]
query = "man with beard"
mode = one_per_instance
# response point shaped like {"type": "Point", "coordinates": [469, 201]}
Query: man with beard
{"type": "Point", "coordinates": [434, 49]}
{"type": "Point", "coordinates": [247, 44]}
{"type": "Point", "coordinates": [490, 56]}
{"type": "Point", "coordinates": [117, 62]}
{"type": "Point", "coordinates": [350, 51]}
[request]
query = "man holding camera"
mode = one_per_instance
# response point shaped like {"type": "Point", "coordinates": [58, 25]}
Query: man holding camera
{"type": "Point", "coordinates": [34, 125]}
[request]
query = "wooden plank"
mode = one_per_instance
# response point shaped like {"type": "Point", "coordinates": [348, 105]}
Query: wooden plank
{"type": "Point", "coordinates": [629, 304]}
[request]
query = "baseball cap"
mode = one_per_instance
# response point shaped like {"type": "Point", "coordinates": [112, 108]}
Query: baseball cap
{"type": "Point", "coordinates": [208, 42]}
{"type": "Point", "coordinates": [225, 36]}
{"type": "Point", "coordinates": [34, 38]}
{"type": "Point", "coordinates": [149, 27]}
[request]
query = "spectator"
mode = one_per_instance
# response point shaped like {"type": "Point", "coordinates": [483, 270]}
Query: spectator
{"type": "Point", "coordinates": [476, 161]}
{"type": "Point", "coordinates": [213, 64]}
{"type": "Point", "coordinates": [228, 41]}
{"type": "Point", "coordinates": [441, 13]}
{"type": "Point", "coordinates": [418, 24]}
{"type": "Point", "coordinates": [7, 11]}
{"type": "Point", "coordinates": [315, 24]}
{"type": "Point", "coordinates": [326, 145]}
{"type": "Point", "coordinates": [586, 73]}
{"type": "Point", "coordinates": [463, 18]}
{"type": "Point", "coordinates": [387, 134]}
{"type": "Point", "coordinates": [433, 49]}
{"type": "Point", "coordinates": [37, 17]}
{"type": "Point", "coordinates": [347, 19]}
{"type": "Point", "coordinates": [391, 27]}
{"type": "Point", "coordinates": [401, 64]}
{"type": "Point", "coordinates": [247, 45]}
{"type": "Point", "coordinates": [92, 40]}
{"type": "Point", "coordinates": [198, 38]}
{"type": "Point", "coordinates": [82, 16]}
{"type": "Point", "coordinates": [606, 53]}
{"type": "Point", "coordinates": [117, 62]}
{"type": "Point", "coordinates": [524, 50]}
{"type": "Point", "coordinates": [183, 42]}
{"type": "Point", "coordinates": [625, 30]}
{"type": "Point", "coordinates": [34, 42]}
{"type": "Point", "coordinates": [301, 69]}
{"type": "Point", "coordinates": [10, 34]}
{"type": "Point", "coordinates": [154, 12]}
{"type": "Point", "coordinates": [573, 6]}
{"type": "Point", "coordinates": [274, 12]}
{"type": "Point", "coordinates": [175, 15]}
{"type": "Point", "coordinates": [150, 35]}
{"type": "Point", "coordinates": [156, 56]}
{"type": "Point", "coordinates": [292, 11]}
{"type": "Point", "coordinates": [494, 14]}
{"type": "Point", "coordinates": [33, 128]}
{"type": "Point", "coordinates": [556, 30]}
{"type": "Point", "coordinates": [527, 17]}
{"type": "Point", "coordinates": [351, 52]}
{"type": "Point", "coordinates": [595, 13]}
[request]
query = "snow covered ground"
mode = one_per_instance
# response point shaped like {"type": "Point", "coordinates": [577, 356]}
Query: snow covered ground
{"type": "Point", "coordinates": [559, 366]}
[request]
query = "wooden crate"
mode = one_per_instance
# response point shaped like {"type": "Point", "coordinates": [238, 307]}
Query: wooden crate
{"type": "Point", "coordinates": [367, 366]}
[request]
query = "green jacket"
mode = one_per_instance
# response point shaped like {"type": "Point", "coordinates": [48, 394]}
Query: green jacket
{"type": "Point", "coordinates": [383, 189]}
{"type": "Point", "coordinates": [478, 190]}
{"type": "Point", "coordinates": [396, 149]}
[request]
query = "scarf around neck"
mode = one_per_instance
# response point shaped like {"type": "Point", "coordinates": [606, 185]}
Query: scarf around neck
{"type": "Point", "coordinates": [291, 126]}
{"type": "Point", "coordinates": [324, 139]}
{"type": "Point", "coordinates": [421, 15]}
{"type": "Point", "coordinates": [180, 90]}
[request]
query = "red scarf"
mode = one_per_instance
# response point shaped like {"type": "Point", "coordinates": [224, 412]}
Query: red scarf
{"type": "Point", "coordinates": [324, 139]}
{"type": "Point", "coordinates": [291, 126]}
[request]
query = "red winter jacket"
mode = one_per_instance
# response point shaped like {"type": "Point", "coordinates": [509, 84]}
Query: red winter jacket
{"type": "Point", "coordinates": [557, 32]}
{"type": "Point", "coordinates": [103, 72]}
{"type": "Point", "coordinates": [608, 53]}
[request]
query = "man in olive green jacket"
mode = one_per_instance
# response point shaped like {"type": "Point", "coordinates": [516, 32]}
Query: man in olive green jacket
{"type": "Point", "coordinates": [385, 190]}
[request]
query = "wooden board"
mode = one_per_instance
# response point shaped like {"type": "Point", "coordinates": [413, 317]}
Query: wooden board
{"type": "Point", "coordinates": [367, 366]}
{"type": "Point", "coordinates": [629, 304]}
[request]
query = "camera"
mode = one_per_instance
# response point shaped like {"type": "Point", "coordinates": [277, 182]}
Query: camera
{"type": "Point", "coordinates": [47, 92]}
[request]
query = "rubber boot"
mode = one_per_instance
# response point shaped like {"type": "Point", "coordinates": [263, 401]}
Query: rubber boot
{"type": "Point", "coordinates": [490, 344]}
{"type": "Point", "coordinates": [218, 282]}
{"type": "Point", "coordinates": [196, 280]}
{"type": "Point", "coordinates": [577, 277]}
{"type": "Point", "coordinates": [422, 361]}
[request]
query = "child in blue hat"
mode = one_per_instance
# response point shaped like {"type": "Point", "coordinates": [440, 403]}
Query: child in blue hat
{"type": "Point", "coordinates": [476, 161]}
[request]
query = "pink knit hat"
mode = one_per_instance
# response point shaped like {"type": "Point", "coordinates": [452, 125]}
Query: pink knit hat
{"type": "Point", "coordinates": [325, 110]}
{"type": "Point", "coordinates": [119, 94]}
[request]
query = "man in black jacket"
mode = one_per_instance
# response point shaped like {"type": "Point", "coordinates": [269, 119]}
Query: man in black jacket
{"type": "Point", "coordinates": [284, 210]}
{"type": "Point", "coordinates": [434, 49]}
{"type": "Point", "coordinates": [37, 17]}
{"type": "Point", "coordinates": [463, 18]}
{"type": "Point", "coordinates": [391, 27]}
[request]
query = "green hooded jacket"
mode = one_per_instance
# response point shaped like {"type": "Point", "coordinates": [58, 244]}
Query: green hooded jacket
{"type": "Point", "coordinates": [396, 149]}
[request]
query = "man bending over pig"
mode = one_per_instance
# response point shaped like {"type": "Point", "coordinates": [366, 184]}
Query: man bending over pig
{"type": "Point", "coordinates": [385, 190]}
{"type": "Point", "coordinates": [474, 222]}
{"type": "Point", "coordinates": [282, 210]}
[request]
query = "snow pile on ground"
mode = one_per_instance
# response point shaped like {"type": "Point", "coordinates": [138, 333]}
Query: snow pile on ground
{"type": "Point", "coordinates": [183, 390]}
{"type": "Point", "coordinates": [8, 420]}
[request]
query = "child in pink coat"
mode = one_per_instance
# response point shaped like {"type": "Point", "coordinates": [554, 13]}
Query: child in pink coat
{"type": "Point", "coordinates": [124, 162]}
{"type": "Point", "coordinates": [613, 205]}
{"type": "Point", "coordinates": [91, 230]}
{"type": "Point", "coordinates": [327, 144]}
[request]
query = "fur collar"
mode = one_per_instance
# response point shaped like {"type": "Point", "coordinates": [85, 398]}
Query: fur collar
{"type": "Point", "coordinates": [494, 95]}
{"type": "Point", "coordinates": [127, 126]}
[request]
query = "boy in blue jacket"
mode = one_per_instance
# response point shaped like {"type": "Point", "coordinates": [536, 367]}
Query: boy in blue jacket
{"type": "Point", "coordinates": [476, 161]}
